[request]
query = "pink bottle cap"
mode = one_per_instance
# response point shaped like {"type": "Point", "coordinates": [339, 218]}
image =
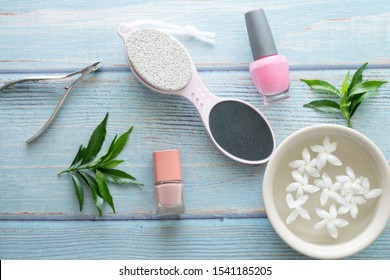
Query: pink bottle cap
{"type": "Point", "coordinates": [167, 165]}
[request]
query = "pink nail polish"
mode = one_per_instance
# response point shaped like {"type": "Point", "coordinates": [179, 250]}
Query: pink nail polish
{"type": "Point", "coordinates": [168, 182]}
{"type": "Point", "coordinates": [270, 71]}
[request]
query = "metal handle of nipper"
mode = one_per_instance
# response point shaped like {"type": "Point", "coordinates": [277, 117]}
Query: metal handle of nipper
{"type": "Point", "coordinates": [84, 73]}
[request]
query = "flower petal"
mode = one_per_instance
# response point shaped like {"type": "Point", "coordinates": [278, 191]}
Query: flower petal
{"type": "Point", "coordinates": [354, 211]}
{"type": "Point", "coordinates": [327, 181]}
{"type": "Point", "coordinates": [306, 155]}
{"type": "Point", "coordinates": [348, 197]}
{"type": "Point", "coordinates": [292, 216]}
{"type": "Point", "coordinates": [290, 201]}
{"type": "Point", "coordinates": [324, 197]}
{"type": "Point", "coordinates": [311, 188]}
{"type": "Point", "coordinates": [304, 214]}
{"type": "Point", "coordinates": [326, 141]}
{"type": "Point", "coordinates": [334, 160]}
{"type": "Point", "coordinates": [346, 190]}
{"type": "Point", "coordinates": [373, 193]}
{"type": "Point", "coordinates": [342, 178]}
{"type": "Point", "coordinates": [359, 200]}
{"type": "Point", "coordinates": [320, 225]}
{"type": "Point", "coordinates": [319, 183]}
{"type": "Point", "coordinates": [340, 223]}
{"type": "Point", "coordinates": [311, 171]}
{"type": "Point", "coordinates": [321, 160]}
{"type": "Point", "coordinates": [300, 192]}
{"type": "Point", "coordinates": [301, 200]}
{"type": "Point", "coordinates": [357, 188]}
{"type": "Point", "coordinates": [331, 147]}
{"type": "Point", "coordinates": [306, 178]}
{"type": "Point", "coordinates": [293, 187]}
{"type": "Point", "coordinates": [365, 183]}
{"type": "Point", "coordinates": [298, 177]}
{"type": "Point", "coordinates": [344, 209]}
{"type": "Point", "coordinates": [333, 211]}
{"type": "Point", "coordinates": [296, 163]}
{"type": "Point", "coordinates": [323, 213]}
{"type": "Point", "coordinates": [317, 148]}
{"type": "Point", "coordinates": [350, 172]}
{"type": "Point", "coordinates": [301, 169]}
{"type": "Point", "coordinates": [332, 230]}
{"type": "Point", "coordinates": [337, 186]}
{"type": "Point", "coordinates": [313, 162]}
{"type": "Point", "coordinates": [340, 199]}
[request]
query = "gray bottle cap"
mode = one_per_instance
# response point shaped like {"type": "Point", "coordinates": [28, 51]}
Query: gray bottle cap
{"type": "Point", "coordinates": [260, 35]}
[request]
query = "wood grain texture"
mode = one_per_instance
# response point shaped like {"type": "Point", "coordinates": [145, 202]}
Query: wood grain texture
{"type": "Point", "coordinates": [48, 35]}
{"type": "Point", "coordinates": [214, 184]}
{"type": "Point", "coordinates": [185, 239]}
{"type": "Point", "coordinates": [225, 218]}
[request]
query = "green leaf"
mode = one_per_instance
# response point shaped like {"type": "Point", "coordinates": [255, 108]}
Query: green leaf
{"type": "Point", "coordinates": [120, 144]}
{"type": "Point", "coordinates": [115, 148]}
{"type": "Point", "coordinates": [107, 154]}
{"type": "Point", "coordinates": [322, 87]}
{"type": "Point", "coordinates": [91, 182]}
{"type": "Point", "coordinates": [110, 164]}
{"type": "Point", "coordinates": [346, 83]}
{"type": "Point", "coordinates": [357, 77]}
{"type": "Point", "coordinates": [356, 103]}
{"type": "Point", "coordinates": [79, 155]}
{"type": "Point", "coordinates": [82, 167]}
{"type": "Point", "coordinates": [79, 191]}
{"type": "Point", "coordinates": [353, 92]}
{"type": "Point", "coordinates": [344, 107]}
{"type": "Point", "coordinates": [324, 105]}
{"type": "Point", "coordinates": [95, 142]}
{"type": "Point", "coordinates": [119, 177]}
{"type": "Point", "coordinates": [103, 189]}
{"type": "Point", "coordinates": [367, 86]}
{"type": "Point", "coordinates": [98, 201]}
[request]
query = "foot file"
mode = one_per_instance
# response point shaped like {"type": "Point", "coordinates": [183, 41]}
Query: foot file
{"type": "Point", "coordinates": [162, 64]}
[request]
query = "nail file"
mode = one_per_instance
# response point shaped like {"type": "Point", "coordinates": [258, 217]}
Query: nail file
{"type": "Point", "coordinates": [162, 64]}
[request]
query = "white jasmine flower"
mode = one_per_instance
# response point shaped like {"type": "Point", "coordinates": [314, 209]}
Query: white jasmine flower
{"type": "Point", "coordinates": [349, 182]}
{"type": "Point", "coordinates": [330, 220]}
{"type": "Point", "coordinates": [329, 190]}
{"type": "Point", "coordinates": [306, 164]}
{"type": "Point", "coordinates": [351, 206]}
{"type": "Point", "coordinates": [301, 184]}
{"type": "Point", "coordinates": [325, 153]}
{"type": "Point", "coordinates": [297, 206]}
{"type": "Point", "coordinates": [365, 190]}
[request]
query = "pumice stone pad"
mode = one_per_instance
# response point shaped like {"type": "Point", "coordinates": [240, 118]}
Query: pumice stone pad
{"type": "Point", "coordinates": [158, 60]}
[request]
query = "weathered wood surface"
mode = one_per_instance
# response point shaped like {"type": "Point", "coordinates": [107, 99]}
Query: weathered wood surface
{"type": "Point", "coordinates": [225, 217]}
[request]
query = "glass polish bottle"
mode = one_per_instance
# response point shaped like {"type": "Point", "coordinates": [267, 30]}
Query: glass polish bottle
{"type": "Point", "coordinates": [270, 71]}
{"type": "Point", "coordinates": [168, 182]}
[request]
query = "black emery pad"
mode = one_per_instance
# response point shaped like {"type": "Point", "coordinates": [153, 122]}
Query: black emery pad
{"type": "Point", "coordinates": [241, 131]}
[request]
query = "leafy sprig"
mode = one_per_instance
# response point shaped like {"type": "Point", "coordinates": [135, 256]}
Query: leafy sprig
{"type": "Point", "coordinates": [85, 169]}
{"type": "Point", "coordinates": [353, 92]}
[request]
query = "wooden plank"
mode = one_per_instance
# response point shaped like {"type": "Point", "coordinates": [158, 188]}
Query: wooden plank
{"type": "Point", "coordinates": [42, 35]}
{"type": "Point", "coordinates": [225, 218]}
{"type": "Point", "coordinates": [215, 185]}
{"type": "Point", "coordinates": [171, 239]}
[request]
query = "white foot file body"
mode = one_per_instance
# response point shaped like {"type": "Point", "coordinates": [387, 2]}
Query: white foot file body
{"type": "Point", "coordinates": [162, 64]}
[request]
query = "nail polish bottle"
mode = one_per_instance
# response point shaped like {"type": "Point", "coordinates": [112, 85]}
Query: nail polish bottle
{"type": "Point", "coordinates": [270, 71]}
{"type": "Point", "coordinates": [168, 182]}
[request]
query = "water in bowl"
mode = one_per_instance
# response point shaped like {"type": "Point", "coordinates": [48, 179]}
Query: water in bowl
{"type": "Point", "coordinates": [351, 154]}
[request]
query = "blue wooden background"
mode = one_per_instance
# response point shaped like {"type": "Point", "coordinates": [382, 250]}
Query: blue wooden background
{"type": "Point", "coordinates": [225, 217]}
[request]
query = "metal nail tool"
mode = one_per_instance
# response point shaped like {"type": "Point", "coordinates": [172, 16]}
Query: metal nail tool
{"type": "Point", "coordinates": [84, 73]}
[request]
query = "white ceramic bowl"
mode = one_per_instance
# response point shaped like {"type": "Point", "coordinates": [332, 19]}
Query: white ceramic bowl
{"type": "Point", "coordinates": [355, 150]}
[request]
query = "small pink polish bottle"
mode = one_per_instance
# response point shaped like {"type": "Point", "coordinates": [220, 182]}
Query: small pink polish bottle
{"type": "Point", "coordinates": [168, 182]}
{"type": "Point", "coordinates": [270, 71]}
